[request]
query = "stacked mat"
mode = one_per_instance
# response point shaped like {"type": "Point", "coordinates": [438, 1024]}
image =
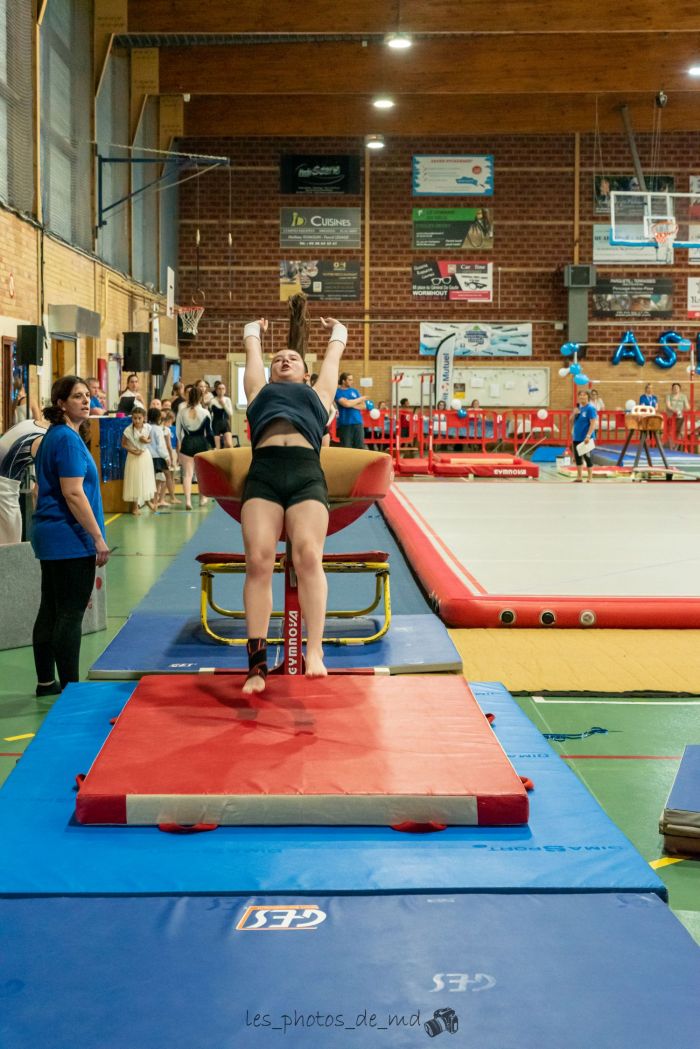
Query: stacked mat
{"type": "Point", "coordinates": [680, 820]}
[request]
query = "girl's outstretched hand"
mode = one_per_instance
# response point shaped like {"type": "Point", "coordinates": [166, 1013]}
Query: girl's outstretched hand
{"type": "Point", "coordinates": [329, 322]}
{"type": "Point", "coordinates": [263, 322]}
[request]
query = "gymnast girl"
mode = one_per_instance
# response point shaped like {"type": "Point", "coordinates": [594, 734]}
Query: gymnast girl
{"type": "Point", "coordinates": [286, 485]}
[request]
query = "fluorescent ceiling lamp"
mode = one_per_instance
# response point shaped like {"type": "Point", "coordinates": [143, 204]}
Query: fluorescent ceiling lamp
{"type": "Point", "coordinates": [383, 103]}
{"type": "Point", "coordinates": [694, 71]}
{"type": "Point", "coordinates": [399, 41]}
{"type": "Point", "coordinates": [374, 141]}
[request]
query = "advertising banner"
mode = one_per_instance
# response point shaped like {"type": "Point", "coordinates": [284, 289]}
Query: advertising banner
{"type": "Point", "coordinates": [633, 297]}
{"type": "Point", "coordinates": [453, 228]}
{"type": "Point", "coordinates": [320, 228]}
{"type": "Point", "coordinates": [319, 174]}
{"type": "Point", "coordinates": [476, 339]}
{"type": "Point", "coordinates": [453, 281]}
{"type": "Point", "coordinates": [452, 176]}
{"type": "Point", "coordinates": [694, 214]}
{"type": "Point", "coordinates": [694, 298]}
{"type": "Point", "coordinates": [320, 279]}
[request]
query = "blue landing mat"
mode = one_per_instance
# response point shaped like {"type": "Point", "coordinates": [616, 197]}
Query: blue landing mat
{"type": "Point", "coordinates": [177, 589]}
{"type": "Point", "coordinates": [159, 643]}
{"type": "Point", "coordinates": [608, 454]}
{"type": "Point", "coordinates": [570, 845]}
{"type": "Point", "coordinates": [379, 972]}
{"type": "Point", "coordinates": [163, 634]}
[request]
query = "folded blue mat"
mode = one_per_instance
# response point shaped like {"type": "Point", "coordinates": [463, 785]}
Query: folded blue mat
{"type": "Point", "coordinates": [570, 845]}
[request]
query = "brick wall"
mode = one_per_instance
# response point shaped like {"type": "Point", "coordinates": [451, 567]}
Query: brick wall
{"type": "Point", "coordinates": [533, 210]}
{"type": "Point", "coordinates": [70, 277]}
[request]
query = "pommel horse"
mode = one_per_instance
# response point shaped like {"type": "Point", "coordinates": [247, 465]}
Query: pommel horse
{"type": "Point", "coordinates": [356, 479]}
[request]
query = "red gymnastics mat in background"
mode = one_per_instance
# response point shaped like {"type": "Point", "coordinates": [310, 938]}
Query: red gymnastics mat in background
{"type": "Point", "coordinates": [193, 750]}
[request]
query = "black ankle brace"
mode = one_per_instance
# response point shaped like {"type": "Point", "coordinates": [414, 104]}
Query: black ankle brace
{"type": "Point", "coordinates": [257, 657]}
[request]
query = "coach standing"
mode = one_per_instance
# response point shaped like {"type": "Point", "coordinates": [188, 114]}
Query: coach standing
{"type": "Point", "coordinates": [350, 404]}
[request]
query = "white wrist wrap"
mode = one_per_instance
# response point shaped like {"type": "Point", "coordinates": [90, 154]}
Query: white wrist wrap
{"type": "Point", "coordinates": [339, 334]}
{"type": "Point", "coordinates": [252, 329]}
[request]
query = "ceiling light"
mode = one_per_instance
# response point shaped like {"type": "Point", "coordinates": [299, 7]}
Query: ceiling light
{"type": "Point", "coordinates": [694, 71]}
{"type": "Point", "coordinates": [374, 141]}
{"type": "Point", "coordinates": [399, 41]}
{"type": "Point", "coordinates": [383, 103]}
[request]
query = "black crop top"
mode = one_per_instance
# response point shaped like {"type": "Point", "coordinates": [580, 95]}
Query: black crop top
{"type": "Point", "coordinates": [296, 402]}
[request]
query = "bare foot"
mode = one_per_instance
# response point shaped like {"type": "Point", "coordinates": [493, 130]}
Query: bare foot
{"type": "Point", "coordinates": [136, 512]}
{"type": "Point", "coordinates": [256, 683]}
{"type": "Point", "coordinates": [314, 665]}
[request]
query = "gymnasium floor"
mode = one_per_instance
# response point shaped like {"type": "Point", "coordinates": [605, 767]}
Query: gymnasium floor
{"type": "Point", "coordinates": [628, 767]}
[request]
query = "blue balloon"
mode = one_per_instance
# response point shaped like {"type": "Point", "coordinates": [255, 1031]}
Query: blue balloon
{"type": "Point", "coordinates": [574, 369]}
{"type": "Point", "coordinates": [461, 413]}
{"type": "Point", "coordinates": [581, 380]}
{"type": "Point", "coordinates": [628, 350]}
{"type": "Point", "coordinates": [670, 341]}
{"type": "Point", "coordinates": [369, 405]}
{"type": "Point", "coordinates": [569, 349]}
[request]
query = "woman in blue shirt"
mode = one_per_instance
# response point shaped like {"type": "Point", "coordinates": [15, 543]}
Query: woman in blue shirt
{"type": "Point", "coordinates": [67, 535]}
{"type": "Point", "coordinates": [584, 424]}
{"type": "Point", "coordinates": [648, 397]}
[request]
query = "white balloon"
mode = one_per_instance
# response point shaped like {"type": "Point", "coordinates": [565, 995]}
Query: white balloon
{"type": "Point", "coordinates": [629, 405]}
{"type": "Point", "coordinates": [375, 413]}
{"type": "Point", "coordinates": [542, 413]}
{"type": "Point", "coordinates": [456, 404]}
{"type": "Point", "coordinates": [563, 372]}
{"type": "Point", "coordinates": [689, 369]}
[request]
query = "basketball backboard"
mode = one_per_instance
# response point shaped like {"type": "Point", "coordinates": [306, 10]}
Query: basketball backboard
{"type": "Point", "coordinates": [639, 219]}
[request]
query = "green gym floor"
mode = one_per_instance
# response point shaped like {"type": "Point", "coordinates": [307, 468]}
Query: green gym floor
{"type": "Point", "coordinates": [629, 769]}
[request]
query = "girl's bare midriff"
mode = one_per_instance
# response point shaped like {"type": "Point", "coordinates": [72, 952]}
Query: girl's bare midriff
{"type": "Point", "coordinates": [281, 434]}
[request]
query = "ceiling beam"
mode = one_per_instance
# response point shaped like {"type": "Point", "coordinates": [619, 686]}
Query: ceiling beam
{"type": "Point", "coordinates": [506, 65]}
{"type": "Point", "coordinates": [417, 16]}
{"type": "Point", "coordinates": [339, 115]}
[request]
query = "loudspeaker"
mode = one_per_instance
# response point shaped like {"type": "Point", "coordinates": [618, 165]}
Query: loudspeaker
{"type": "Point", "coordinates": [29, 348]}
{"type": "Point", "coordinates": [137, 351]}
{"type": "Point", "coordinates": [159, 364]}
{"type": "Point", "coordinates": [576, 276]}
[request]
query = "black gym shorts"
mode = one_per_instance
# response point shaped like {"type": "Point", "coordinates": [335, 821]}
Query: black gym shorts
{"type": "Point", "coordinates": [286, 476]}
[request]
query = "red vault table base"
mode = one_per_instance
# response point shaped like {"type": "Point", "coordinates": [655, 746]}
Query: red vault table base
{"type": "Point", "coordinates": [191, 750]}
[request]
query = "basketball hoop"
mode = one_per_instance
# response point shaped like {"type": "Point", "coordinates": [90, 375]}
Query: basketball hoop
{"type": "Point", "coordinates": [190, 317]}
{"type": "Point", "coordinates": [663, 230]}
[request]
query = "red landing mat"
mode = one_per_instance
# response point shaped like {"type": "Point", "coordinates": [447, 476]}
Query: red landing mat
{"type": "Point", "coordinates": [190, 750]}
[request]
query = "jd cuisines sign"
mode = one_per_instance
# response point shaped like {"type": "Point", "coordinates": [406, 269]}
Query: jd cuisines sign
{"type": "Point", "coordinates": [320, 228]}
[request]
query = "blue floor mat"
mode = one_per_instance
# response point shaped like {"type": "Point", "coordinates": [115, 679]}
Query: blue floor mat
{"type": "Point", "coordinates": [162, 643]}
{"type": "Point", "coordinates": [570, 845]}
{"type": "Point", "coordinates": [379, 972]}
{"type": "Point", "coordinates": [163, 634]}
{"type": "Point", "coordinates": [178, 587]}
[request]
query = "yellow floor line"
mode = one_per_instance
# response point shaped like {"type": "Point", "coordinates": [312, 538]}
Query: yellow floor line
{"type": "Point", "coordinates": [110, 519]}
{"type": "Point", "coordinates": [666, 862]}
{"type": "Point", "coordinates": [13, 739]}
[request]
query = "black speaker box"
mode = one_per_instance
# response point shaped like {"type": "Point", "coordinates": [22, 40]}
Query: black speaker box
{"type": "Point", "coordinates": [137, 351]}
{"type": "Point", "coordinates": [159, 364]}
{"type": "Point", "coordinates": [30, 344]}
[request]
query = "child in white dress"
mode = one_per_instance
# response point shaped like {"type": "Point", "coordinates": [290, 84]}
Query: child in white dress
{"type": "Point", "coordinates": [139, 485]}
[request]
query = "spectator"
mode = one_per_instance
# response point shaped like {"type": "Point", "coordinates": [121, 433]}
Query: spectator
{"type": "Point", "coordinates": [96, 404]}
{"type": "Point", "coordinates": [676, 404]}
{"type": "Point", "coordinates": [159, 453]}
{"type": "Point", "coordinates": [350, 404]}
{"type": "Point", "coordinates": [139, 476]}
{"type": "Point", "coordinates": [193, 435]}
{"type": "Point", "coordinates": [597, 401]}
{"type": "Point", "coordinates": [131, 396]}
{"type": "Point", "coordinates": [221, 411]}
{"type": "Point", "coordinates": [18, 448]}
{"type": "Point", "coordinates": [68, 536]}
{"type": "Point", "coordinates": [178, 397]}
